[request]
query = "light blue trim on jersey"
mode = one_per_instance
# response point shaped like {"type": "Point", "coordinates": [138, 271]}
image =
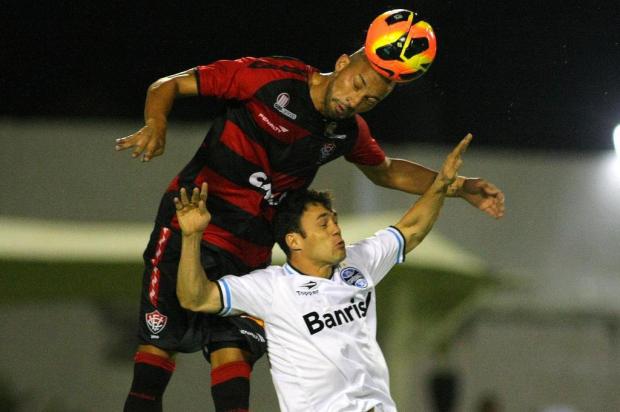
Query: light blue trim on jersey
{"type": "Point", "coordinates": [401, 244]}
{"type": "Point", "coordinates": [227, 305]}
{"type": "Point", "coordinates": [289, 270]}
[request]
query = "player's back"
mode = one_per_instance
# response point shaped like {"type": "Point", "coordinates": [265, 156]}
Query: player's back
{"type": "Point", "coordinates": [269, 141]}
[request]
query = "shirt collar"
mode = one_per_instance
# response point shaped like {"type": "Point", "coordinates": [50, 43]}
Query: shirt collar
{"type": "Point", "coordinates": [289, 269]}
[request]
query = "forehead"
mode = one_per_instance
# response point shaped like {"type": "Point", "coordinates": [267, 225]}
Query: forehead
{"type": "Point", "coordinates": [373, 80]}
{"type": "Point", "coordinates": [314, 211]}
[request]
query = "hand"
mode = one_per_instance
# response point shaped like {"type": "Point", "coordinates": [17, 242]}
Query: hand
{"type": "Point", "coordinates": [483, 195]}
{"type": "Point", "coordinates": [149, 141]}
{"type": "Point", "coordinates": [449, 171]}
{"type": "Point", "coordinates": [192, 214]}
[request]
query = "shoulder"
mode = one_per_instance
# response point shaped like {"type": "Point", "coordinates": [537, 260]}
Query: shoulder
{"type": "Point", "coordinates": [272, 272]}
{"type": "Point", "coordinates": [362, 126]}
{"type": "Point", "coordinates": [264, 68]}
{"type": "Point", "coordinates": [281, 66]}
{"type": "Point", "coordinates": [384, 238]}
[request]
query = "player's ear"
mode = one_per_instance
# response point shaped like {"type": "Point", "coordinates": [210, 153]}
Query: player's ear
{"type": "Point", "coordinates": [343, 61]}
{"type": "Point", "coordinates": [293, 241]}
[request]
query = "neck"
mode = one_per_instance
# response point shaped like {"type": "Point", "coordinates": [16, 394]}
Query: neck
{"type": "Point", "coordinates": [321, 270]}
{"type": "Point", "coordinates": [318, 87]}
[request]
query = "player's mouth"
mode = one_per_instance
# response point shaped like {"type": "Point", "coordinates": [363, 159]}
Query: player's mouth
{"type": "Point", "coordinates": [341, 110]}
{"type": "Point", "coordinates": [340, 245]}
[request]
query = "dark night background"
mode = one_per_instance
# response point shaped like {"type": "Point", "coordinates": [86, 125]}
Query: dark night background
{"type": "Point", "coordinates": [527, 74]}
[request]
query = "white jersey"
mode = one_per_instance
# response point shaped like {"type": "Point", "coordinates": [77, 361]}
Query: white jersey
{"type": "Point", "coordinates": [321, 333]}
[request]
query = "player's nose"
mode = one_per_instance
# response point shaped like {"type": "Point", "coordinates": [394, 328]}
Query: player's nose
{"type": "Point", "coordinates": [353, 101]}
{"type": "Point", "coordinates": [337, 231]}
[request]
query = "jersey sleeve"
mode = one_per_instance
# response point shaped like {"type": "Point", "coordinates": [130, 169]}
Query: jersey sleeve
{"type": "Point", "coordinates": [379, 253]}
{"type": "Point", "coordinates": [251, 294]}
{"type": "Point", "coordinates": [366, 151]}
{"type": "Point", "coordinates": [240, 79]}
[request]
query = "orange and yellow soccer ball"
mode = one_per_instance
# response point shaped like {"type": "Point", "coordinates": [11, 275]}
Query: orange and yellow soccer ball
{"type": "Point", "coordinates": [400, 46]}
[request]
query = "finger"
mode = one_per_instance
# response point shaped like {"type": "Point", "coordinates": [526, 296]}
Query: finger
{"type": "Point", "coordinates": [463, 144]}
{"type": "Point", "coordinates": [150, 149]}
{"type": "Point", "coordinates": [501, 198]}
{"type": "Point", "coordinates": [204, 191]}
{"type": "Point", "coordinates": [158, 152]}
{"type": "Point", "coordinates": [138, 149]}
{"type": "Point", "coordinates": [497, 214]}
{"type": "Point", "coordinates": [149, 156]}
{"type": "Point", "coordinates": [490, 210]}
{"type": "Point", "coordinates": [195, 196]}
{"type": "Point", "coordinates": [500, 202]}
{"type": "Point", "coordinates": [202, 204]}
{"type": "Point", "coordinates": [493, 213]}
{"type": "Point", "coordinates": [184, 200]}
{"type": "Point", "coordinates": [124, 142]}
{"type": "Point", "coordinates": [146, 156]}
{"type": "Point", "coordinates": [495, 209]}
{"type": "Point", "coordinates": [490, 189]}
{"type": "Point", "coordinates": [177, 203]}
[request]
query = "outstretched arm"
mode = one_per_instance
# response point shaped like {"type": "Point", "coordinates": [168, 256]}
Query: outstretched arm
{"type": "Point", "coordinates": [150, 140]}
{"type": "Point", "coordinates": [419, 219]}
{"type": "Point", "coordinates": [194, 290]}
{"type": "Point", "coordinates": [414, 178]}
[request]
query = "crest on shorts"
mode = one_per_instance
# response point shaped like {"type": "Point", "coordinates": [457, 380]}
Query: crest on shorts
{"type": "Point", "coordinates": [156, 321]}
{"type": "Point", "coordinates": [353, 277]}
{"type": "Point", "coordinates": [326, 151]}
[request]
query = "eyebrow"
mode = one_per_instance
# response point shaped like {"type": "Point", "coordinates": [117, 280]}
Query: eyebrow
{"type": "Point", "coordinates": [322, 215]}
{"type": "Point", "coordinates": [325, 214]}
{"type": "Point", "coordinates": [365, 85]}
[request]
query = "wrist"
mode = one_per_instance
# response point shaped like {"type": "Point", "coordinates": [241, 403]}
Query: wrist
{"type": "Point", "coordinates": [194, 237]}
{"type": "Point", "coordinates": [455, 189]}
{"type": "Point", "coordinates": [438, 186]}
{"type": "Point", "coordinates": [156, 121]}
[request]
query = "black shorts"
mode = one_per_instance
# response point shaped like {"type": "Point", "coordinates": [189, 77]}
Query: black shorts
{"type": "Point", "coordinates": [166, 325]}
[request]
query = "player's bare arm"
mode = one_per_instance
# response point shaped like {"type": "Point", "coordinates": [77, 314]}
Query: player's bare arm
{"type": "Point", "coordinates": [419, 219]}
{"type": "Point", "coordinates": [194, 290]}
{"type": "Point", "coordinates": [150, 140]}
{"type": "Point", "coordinates": [413, 178]}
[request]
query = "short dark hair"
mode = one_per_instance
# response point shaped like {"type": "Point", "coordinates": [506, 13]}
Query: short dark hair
{"type": "Point", "coordinates": [288, 215]}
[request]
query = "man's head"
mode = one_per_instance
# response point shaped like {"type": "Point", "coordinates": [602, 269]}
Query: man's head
{"type": "Point", "coordinates": [354, 87]}
{"type": "Point", "coordinates": [306, 227]}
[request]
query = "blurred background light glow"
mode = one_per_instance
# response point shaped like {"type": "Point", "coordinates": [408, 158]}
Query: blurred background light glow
{"type": "Point", "coordinates": [617, 140]}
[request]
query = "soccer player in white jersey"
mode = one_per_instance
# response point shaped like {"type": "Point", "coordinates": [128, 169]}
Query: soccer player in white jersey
{"type": "Point", "coordinates": [319, 307]}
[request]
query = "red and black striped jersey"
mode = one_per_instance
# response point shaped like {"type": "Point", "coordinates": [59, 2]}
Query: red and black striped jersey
{"type": "Point", "coordinates": [270, 140]}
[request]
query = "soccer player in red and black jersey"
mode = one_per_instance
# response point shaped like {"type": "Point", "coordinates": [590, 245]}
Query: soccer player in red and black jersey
{"type": "Point", "coordinates": [283, 120]}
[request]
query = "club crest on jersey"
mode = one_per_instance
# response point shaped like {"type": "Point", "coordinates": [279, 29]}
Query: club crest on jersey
{"type": "Point", "coordinates": [353, 277]}
{"type": "Point", "coordinates": [280, 105]}
{"type": "Point", "coordinates": [155, 321]}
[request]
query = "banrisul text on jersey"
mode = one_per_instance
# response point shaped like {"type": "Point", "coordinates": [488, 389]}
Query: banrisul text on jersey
{"type": "Point", "coordinates": [317, 322]}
